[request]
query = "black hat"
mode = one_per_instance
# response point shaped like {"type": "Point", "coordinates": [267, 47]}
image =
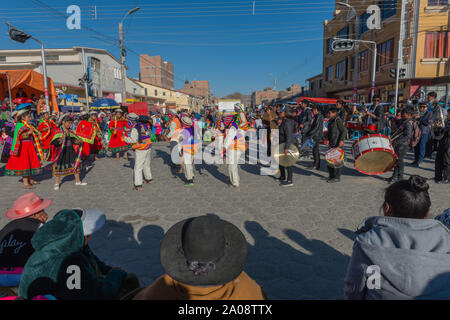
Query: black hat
{"type": "Point", "coordinates": [203, 251]}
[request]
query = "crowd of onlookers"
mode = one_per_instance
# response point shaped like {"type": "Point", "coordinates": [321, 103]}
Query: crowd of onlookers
{"type": "Point", "coordinates": [403, 254]}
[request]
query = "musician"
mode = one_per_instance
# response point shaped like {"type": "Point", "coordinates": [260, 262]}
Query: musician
{"type": "Point", "coordinates": [287, 137]}
{"type": "Point", "coordinates": [315, 133]}
{"type": "Point", "coordinates": [336, 136]}
{"type": "Point", "coordinates": [189, 145]}
{"type": "Point", "coordinates": [375, 114]}
{"type": "Point", "coordinates": [424, 125]}
{"type": "Point", "coordinates": [401, 140]}
{"type": "Point", "coordinates": [442, 164]}
{"type": "Point", "coordinates": [305, 119]}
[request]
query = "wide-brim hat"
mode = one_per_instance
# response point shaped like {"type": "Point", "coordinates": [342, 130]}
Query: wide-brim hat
{"type": "Point", "coordinates": [21, 112]}
{"type": "Point", "coordinates": [93, 112]}
{"type": "Point", "coordinates": [187, 121]}
{"type": "Point", "coordinates": [132, 116]}
{"type": "Point", "coordinates": [118, 110]}
{"type": "Point", "coordinates": [65, 117]}
{"type": "Point", "coordinates": [23, 106]}
{"type": "Point", "coordinates": [93, 220]}
{"type": "Point", "coordinates": [27, 205]}
{"type": "Point", "coordinates": [199, 239]}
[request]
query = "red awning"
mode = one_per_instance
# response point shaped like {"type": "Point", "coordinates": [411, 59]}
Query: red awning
{"type": "Point", "coordinates": [320, 100]}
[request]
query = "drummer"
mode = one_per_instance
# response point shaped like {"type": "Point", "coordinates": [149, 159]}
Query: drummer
{"type": "Point", "coordinates": [286, 134]}
{"type": "Point", "coordinates": [336, 135]}
{"type": "Point", "coordinates": [375, 116]}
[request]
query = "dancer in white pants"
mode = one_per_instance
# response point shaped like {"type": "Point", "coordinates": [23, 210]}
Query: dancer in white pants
{"type": "Point", "coordinates": [140, 140]}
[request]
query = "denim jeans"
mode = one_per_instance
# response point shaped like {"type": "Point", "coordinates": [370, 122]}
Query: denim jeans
{"type": "Point", "coordinates": [421, 148]}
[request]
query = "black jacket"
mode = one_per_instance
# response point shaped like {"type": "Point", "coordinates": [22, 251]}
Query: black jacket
{"type": "Point", "coordinates": [379, 120]}
{"type": "Point", "coordinates": [287, 132]}
{"type": "Point", "coordinates": [15, 242]}
{"type": "Point", "coordinates": [403, 135]}
{"type": "Point", "coordinates": [305, 119]}
{"type": "Point", "coordinates": [336, 132]}
{"type": "Point", "coordinates": [316, 130]}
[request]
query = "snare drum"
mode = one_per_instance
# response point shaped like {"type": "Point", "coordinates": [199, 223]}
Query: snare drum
{"type": "Point", "coordinates": [374, 154]}
{"type": "Point", "coordinates": [371, 128]}
{"type": "Point", "coordinates": [354, 125]}
{"type": "Point", "coordinates": [335, 157]}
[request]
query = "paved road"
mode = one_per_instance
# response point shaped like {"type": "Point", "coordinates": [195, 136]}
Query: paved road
{"type": "Point", "coordinates": [300, 238]}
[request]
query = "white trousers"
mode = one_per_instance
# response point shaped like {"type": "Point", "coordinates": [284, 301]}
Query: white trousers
{"type": "Point", "coordinates": [142, 165]}
{"type": "Point", "coordinates": [233, 165]}
{"type": "Point", "coordinates": [188, 167]}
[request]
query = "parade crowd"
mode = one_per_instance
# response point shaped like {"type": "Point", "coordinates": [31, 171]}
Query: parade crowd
{"type": "Point", "coordinates": [205, 257]}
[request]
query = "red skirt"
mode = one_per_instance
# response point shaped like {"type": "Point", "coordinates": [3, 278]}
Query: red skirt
{"type": "Point", "coordinates": [26, 163]}
{"type": "Point", "coordinates": [87, 149]}
{"type": "Point", "coordinates": [97, 146]}
{"type": "Point", "coordinates": [116, 144]}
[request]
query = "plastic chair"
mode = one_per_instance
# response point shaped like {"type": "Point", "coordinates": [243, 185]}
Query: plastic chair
{"type": "Point", "coordinates": [356, 135]}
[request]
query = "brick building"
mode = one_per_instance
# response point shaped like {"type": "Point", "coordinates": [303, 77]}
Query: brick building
{"type": "Point", "coordinates": [156, 70]}
{"type": "Point", "coordinates": [269, 95]}
{"type": "Point", "coordinates": [199, 88]}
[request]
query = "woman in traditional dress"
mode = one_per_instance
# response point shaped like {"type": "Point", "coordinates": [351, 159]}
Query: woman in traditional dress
{"type": "Point", "coordinates": [97, 146]}
{"type": "Point", "coordinates": [27, 156]}
{"type": "Point", "coordinates": [68, 160]}
{"type": "Point", "coordinates": [47, 131]}
{"type": "Point", "coordinates": [7, 137]}
{"type": "Point", "coordinates": [116, 130]}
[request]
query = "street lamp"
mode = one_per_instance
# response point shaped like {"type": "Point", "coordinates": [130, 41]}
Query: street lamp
{"type": "Point", "coordinates": [123, 53]}
{"type": "Point", "coordinates": [20, 36]}
{"type": "Point", "coordinates": [355, 64]}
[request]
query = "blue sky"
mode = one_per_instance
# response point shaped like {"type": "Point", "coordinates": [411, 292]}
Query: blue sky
{"type": "Point", "coordinates": [216, 40]}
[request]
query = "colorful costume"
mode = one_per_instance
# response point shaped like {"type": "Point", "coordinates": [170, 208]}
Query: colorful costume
{"type": "Point", "coordinates": [9, 132]}
{"type": "Point", "coordinates": [234, 144]}
{"type": "Point", "coordinates": [47, 131]}
{"type": "Point", "coordinates": [140, 140]}
{"type": "Point", "coordinates": [116, 130]}
{"type": "Point", "coordinates": [189, 144]}
{"type": "Point", "coordinates": [97, 146]}
{"type": "Point", "coordinates": [68, 159]}
{"type": "Point", "coordinates": [27, 157]}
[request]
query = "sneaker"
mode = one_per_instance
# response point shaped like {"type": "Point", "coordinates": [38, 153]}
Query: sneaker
{"type": "Point", "coordinates": [334, 180]}
{"type": "Point", "coordinates": [80, 183]}
{"type": "Point", "coordinates": [443, 181]}
{"type": "Point", "coordinates": [189, 183]}
{"type": "Point", "coordinates": [56, 187]}
{"type": "Point", "coordinates": [287, 184]}
{"type": "Point", "coordinates": [392, 180]}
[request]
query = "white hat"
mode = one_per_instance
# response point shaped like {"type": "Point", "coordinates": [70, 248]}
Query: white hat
{"type": "Point", "coordinates": [93, 220]}
{"type": "Point", "coordinates": [132, 116]}
{"type": "Point", "coordinates": [187, 121]}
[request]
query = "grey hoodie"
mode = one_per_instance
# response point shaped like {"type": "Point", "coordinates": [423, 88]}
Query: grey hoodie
{"type": "Point", "coordinates": [412, 254]}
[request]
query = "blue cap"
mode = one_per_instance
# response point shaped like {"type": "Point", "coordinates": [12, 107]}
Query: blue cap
{"type": "Point", "coordinates": [23, 106]}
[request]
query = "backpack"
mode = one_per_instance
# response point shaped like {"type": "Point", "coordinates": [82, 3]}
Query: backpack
{"type": "Point", "coordinates": [416, 134]}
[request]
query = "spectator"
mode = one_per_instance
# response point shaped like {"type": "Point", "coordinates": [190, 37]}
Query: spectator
{"type": "Point", "coordinates": [410, 250]}
{"type": "Point", "coordinates": [204, 259]}
{"type": "Point", "coordinates": [63, 243]}
{"type": "Point", "coordinates": [27, 215]}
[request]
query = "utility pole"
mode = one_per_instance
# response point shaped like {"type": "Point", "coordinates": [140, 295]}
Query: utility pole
{"type": "Point", "coordinates": [86, 90]}
{"type": "Point", "coordinates": [399, 53]}
{"type": "Point", "coordinates": [122, 55]}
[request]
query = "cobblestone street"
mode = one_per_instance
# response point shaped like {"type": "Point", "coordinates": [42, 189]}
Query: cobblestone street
{"type": "Point", "coordinates": [300, 238]}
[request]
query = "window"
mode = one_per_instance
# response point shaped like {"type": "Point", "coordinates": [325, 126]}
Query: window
{"type": "Point", "coordinates": [312, 86]}
{"type": "Point", "coordinates": [385, 53]}
{"type": "Point", "coordinates": [329, 46]}
{"type": "Point", "coordinates": [363, 23]}
{"type": "Point", "coordinates": [388, 8]}
{"type": "Point", "coordinates": [364, 61]}
{"type": "Point", "coordinates": [341, 70]}
{"type": "Point", "coordinates": [320, 84]}
{"type": "Point", "coordinates": [156, 92]}
{"type": "Point", "coordinates": [2, 58]}
{"type": "Point", "coordinates": [146, 91]}
{"type": "Point", "coordinates": [343, 33]}
{"type": "Point", "coordinates": [438, 3]}
{"type": "Point", "coordinates": [164, 93]}
{"type": "Point", "coordinates": [95, 64]}
{"type": "Point", "coordinates": [330, 73]}
{"type": "Point", "coordinates": [437, 44]}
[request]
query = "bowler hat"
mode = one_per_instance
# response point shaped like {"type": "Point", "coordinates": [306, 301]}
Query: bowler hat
{"type": "Point", "coordinates": [27, 205]}
{"type": "Point", "coordinates": [132, 116]}
{"type": "Point", "coordinates": [187, 121]}
{"type": "Point", "coordinates": [203, 251]}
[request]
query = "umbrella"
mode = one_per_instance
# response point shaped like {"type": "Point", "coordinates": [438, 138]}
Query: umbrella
{"type": "Point", "coordinates": [104, 103]}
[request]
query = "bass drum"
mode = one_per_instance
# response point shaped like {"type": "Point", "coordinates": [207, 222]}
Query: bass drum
{"type": "Point", "coordinates": [374, 154]}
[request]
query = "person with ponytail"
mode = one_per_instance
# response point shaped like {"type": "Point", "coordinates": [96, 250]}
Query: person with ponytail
{"type": "Point", "coordinates": [402, 254]}
{"type": "Point", "coordinates": [27, 155]}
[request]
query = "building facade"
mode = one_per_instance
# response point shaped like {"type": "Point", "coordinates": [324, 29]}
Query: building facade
{"type": "Point", "coordinates": [315, 86]}
{"type": "Point", "coordinates": [156, 70]}
{"type": "Point", "coordinates": [268, 95]}
{"type": "Point", "coordinates": [424, 37]}
{"type": "Point", "coordinates": [198, 88]}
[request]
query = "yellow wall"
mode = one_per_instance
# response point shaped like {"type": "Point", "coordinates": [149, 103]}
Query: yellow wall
{"type": "Point", "coordinates": [430, 19]}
